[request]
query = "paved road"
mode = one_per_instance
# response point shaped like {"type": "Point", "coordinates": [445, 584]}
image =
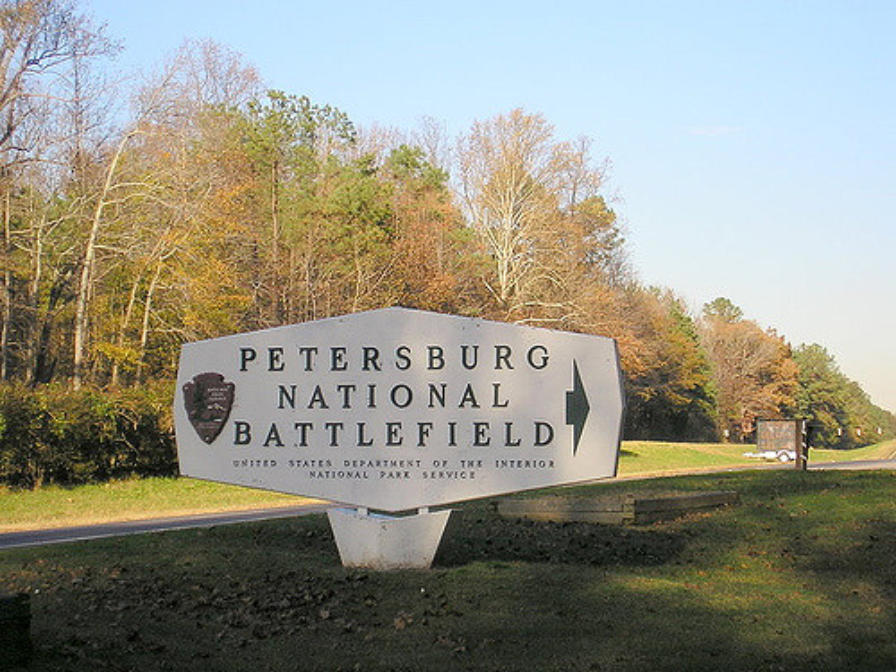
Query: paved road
{"type": "Point", "coordinates": [868, 465]}
{"type": "Point", "coordinates": [84, 532]}
{"type": "Point", "coordinates": [68, 534]}
{"type": "Point", "coordinates": [858, 464]}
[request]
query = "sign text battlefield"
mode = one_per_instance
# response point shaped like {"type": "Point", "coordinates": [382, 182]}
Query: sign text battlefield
{"type": "Point", "coordinates": [397, 409]}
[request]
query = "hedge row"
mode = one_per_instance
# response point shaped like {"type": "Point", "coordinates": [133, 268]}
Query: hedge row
{"type": "Point", "coordinates": [54, 435]}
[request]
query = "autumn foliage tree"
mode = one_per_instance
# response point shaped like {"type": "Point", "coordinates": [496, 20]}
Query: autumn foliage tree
{"type": "Point", "coordinates": [753, 369]}
{"type": "Point", "coordinates": [669, 385]}
{"type": "Point", "coordinates": [437, 261]}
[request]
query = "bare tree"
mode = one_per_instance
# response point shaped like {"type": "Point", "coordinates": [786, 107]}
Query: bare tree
{"type": "Point", "coordinates": [755, 375]}
{"type": "Point", "coordinates": [44, 43]}
{"type": "Point", "coordinates": [506, 172]}
{"type": "Point", "coordinates": [432, 137]}
{"type": "Point", "coordinates": [39, 37]}
{"type": "Point", "coordinates": [186, 110]}
{"type": "Point", "coordinates": [521, 191]}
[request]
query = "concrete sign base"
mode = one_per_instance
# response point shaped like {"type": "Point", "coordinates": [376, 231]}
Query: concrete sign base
{"type": "Point", "coordinates": [376, 541]}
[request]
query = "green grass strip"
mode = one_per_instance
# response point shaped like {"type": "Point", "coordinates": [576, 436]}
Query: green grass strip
{"type": "Point", "coordinates": [135, 499]}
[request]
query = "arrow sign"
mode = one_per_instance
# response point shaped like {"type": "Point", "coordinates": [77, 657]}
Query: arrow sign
{"type": "Point", "coordinates": [577, 407]}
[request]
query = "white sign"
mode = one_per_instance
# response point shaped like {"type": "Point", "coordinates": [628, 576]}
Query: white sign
{"type": "Point", "coordinates": [397, 409]}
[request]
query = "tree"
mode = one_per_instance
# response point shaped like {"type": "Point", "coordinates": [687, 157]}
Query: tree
{"type": "Point", "coordinates": [40, 38]}
{"type": "Point", "coordinates": [436, 261]}
{"type": "Point", "coordinates": [175, 170]}
{"type": "Point", "coordinates": [669, 385]}
{"type": "Point", "coordinates": [839, 413]}
{"type": "Point", "coordinates": [44, 55]}
{"type": "Point", "coordinates": [755, 375]}
{"type": "Point", "coordinates": [358, 236]}
{"type": "Point", "coordinates": [522, 191]}
{"type": "Point", "coordinates": [722, 309]}
{"type": "Point", "coordinates": [821, 396]}
{"type": "Point", "coordinates": [190, 124]}
{"type": "Point", "coordinates": [293, 145]}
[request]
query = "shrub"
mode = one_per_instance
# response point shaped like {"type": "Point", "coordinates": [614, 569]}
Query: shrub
{"type": "Point", "coordinates": [54, 435]}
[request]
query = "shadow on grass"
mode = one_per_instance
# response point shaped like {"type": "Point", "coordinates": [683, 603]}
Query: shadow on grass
{"type": "Point", "coordinates": [861, 576]}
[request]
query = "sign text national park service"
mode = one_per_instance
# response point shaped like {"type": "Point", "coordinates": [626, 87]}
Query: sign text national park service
{"type": "Point", "coordinates": [398, 409]}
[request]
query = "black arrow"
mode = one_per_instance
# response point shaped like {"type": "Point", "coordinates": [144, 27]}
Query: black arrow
{"type": "Point", "coordinates": [577, 407]}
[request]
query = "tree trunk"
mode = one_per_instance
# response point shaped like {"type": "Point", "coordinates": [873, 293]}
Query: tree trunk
{"type": "Point", "coordinates": [275, 245]}
{"type": "Point", "coordinates": [87, 268]}
{"type": "Point", "coordinates": [35, 327]}
{"type": "Point", "coordinates": [7, 292]}
{"type": "Point", "coordinates": [147, 310]}
{"type": "Point", "coordinates": [122, 330]}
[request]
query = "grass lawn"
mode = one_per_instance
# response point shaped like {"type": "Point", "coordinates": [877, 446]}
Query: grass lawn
{"type": "Point", "coordinates": [800, 576]}
{"type": "Point", "coordinates": [135, 499]}
{"type": "Point", "coordinates": [54, 506]}
{"type": "Point", "coordinates": [640, 457]}
{"type": "Point", "coordinates": [877, 451]}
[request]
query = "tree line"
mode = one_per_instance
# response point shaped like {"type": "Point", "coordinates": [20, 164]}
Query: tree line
{"type": "Point", "coordinates": [211, 206]}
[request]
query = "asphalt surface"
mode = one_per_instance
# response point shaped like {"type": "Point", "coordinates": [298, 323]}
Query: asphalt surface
{"type": "Point", "coordinates": [86, 532]}
{"type": "Point", "coordinates": [857, 465]}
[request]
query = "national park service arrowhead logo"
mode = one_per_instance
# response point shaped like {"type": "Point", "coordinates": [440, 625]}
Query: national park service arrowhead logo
{"type": "Point", "coordinates": [208, 399]}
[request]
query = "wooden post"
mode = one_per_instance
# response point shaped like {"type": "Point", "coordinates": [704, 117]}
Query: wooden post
{"type": "Point", "coordinates": [802, 445]}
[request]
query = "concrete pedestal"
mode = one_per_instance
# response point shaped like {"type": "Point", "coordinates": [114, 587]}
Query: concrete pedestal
{"type": "Point", "coordinates": [376, 541]}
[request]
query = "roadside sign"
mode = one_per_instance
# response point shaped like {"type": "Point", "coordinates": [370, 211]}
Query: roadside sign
{"type": "Point", "coordinates": [398, 409]}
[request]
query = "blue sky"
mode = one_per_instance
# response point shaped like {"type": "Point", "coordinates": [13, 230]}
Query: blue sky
{"type": "Point", "coordinates": [753, 144]}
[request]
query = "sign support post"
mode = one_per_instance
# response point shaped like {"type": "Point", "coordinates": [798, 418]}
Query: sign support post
{"type": "Point", "coordinates": [383, 542]}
